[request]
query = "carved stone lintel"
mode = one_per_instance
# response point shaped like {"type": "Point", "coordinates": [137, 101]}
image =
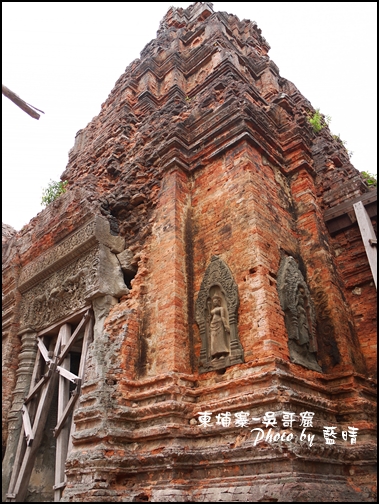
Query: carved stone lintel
{"type": "Point", "coordinates": [84, 268]}
{"type": "Point", "coordinates": [216, 316]}
{"type": "Point", "coordinates": [300, 318]}
{"type": "Point", "coordinates": [97, 231]}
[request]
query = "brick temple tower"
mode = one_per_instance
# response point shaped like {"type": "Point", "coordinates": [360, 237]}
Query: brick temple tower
{"type": "Point", "coordinates": [195, 318]}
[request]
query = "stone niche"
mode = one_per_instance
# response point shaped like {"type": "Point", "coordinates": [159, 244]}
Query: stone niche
{"type": "Point", "coordinates": [82, 267]}
{"type": "Point", "coordinates": [216, 316]}
{"type": "Point", "coordinates": [299, 312]}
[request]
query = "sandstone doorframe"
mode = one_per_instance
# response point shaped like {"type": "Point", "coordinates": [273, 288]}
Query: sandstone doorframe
{"type": "Point", "coordinates": [80, 273]}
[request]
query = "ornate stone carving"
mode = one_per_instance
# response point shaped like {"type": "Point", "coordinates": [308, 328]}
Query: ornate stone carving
{"type": "Point", "coordinates": [216, 316]}
{"type": "Point", "coordinates": [24, 373]}
{"type": "Point", "coordinates": [93, 232]}
{"type": "Point", "coordinates": [84, 268]}
{"type": "Point", "coordinates": [300, 318]}
{"type": "Point", "coordinates": [60, 294]}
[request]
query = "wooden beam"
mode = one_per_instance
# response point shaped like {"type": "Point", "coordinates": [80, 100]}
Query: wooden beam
{"type": "Point", "coordinates": [20, 453]}
{"type": "Point", "coordinates": [29, 109]}
{"type": "Point", "coordinates": [23, 477]}
{"type": "Point", "coordinates": [19, 485]}
{"type": "Point", "coordinates": [63, 399]}
{"type": "Point", "coordinates": [343, 216]}
{"type": "Point", "coordinates": [25, 454]}
{"type": "Point", "coordinates": [67, 411]}
{"type": "Point", "coordinates": [368, 234]}
{"type": "Point", "coordinates": [75, 334]}
{"type": "Point", "coordinates": [88, 333]}
{"type": "Point", "coordinates": [347, 206]}
{"type": "Point", "coordinates": [21, 447]}
{"type": "Point", "coordinates": [69, 319]}
{"type": "Point", "coordinates": [27, 426]}
{"type": "Point", "coordinates": [60, 486]}
{"type": "Point", "coordinates": [36, 389]}
{"type": "Point", "coordinates": [67, 374]}
{"type": "Point", "coordinates": [43, 350]}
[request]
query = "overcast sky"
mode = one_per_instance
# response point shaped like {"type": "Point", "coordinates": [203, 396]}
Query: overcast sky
{"type": "Point", "coordinates": [65, 57]}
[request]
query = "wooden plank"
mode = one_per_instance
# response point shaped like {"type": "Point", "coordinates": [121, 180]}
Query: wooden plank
{"type": "Point", "coordinates": [67, 411]}
{"type": "Point", "coordinates": [57, 325]}
{"type": "Point", "coordinates": [60, 486]}
{"type": "Point", "coordinates": [342, 222]}
{"type": "Point", "coordinates": [43, 350]}
{"type": "Point", "coordinates": [57, 346]}
{"type": "Point", "coordinates": [21, 485]}
{"type": "Point", "coordinates": [25, 455]}
{"type": "Point", "coordinates": [347, 206]}
{"type": "Point", "coordinates": [67, 374]}
{"type": "Point", "coordinates": [29, 109]}
{"type": "Point", "coordinates": [21, 446]}
{"type": "Point", "coordinates": [27, 426]}
{"type": "Point", "coordinates": [63, 399]}
{"type": "Point", "coordinates": [20, 452]}
{"type": "Point", "coordinates": [88, 333]}
{"type": "Point", "coordinates": [367, 232]}
{"type": "Point", "coordinates": [348, 219]}
{"type": "Point", "coordinates": [43, 409]}
{"type": "Point", "coordinates": [73, 337]}
{"type": "Point", "coordinates": [36, 389]}
{"type": "Point", "coordinates": [36, 370]}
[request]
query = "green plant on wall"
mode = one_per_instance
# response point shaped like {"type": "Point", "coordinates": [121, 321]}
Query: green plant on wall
{"type": "Point", "coordinates": [337, 138]}
{"type": "Point", "coordinates": [318, 121]}
{"type": "Point", "coordinates": [370, 179]}
{"type": "Point", "coordinates": [53, 191]}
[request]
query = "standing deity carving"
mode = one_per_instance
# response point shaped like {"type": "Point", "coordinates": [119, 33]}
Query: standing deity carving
{"type": "Point", "coordinates": [216, 316]}
{"type": "Point", "coordinates": [218, 328]}
{"type": "Point", "coordinates": [299, 314]}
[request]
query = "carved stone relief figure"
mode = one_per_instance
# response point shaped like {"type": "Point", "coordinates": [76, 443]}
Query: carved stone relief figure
{"type": "Point", "coordinates": [299, 314]}
{"type": "Point", "coordinates": [216, 316]}
{"type": "Point", "coordinates": [218, 328]}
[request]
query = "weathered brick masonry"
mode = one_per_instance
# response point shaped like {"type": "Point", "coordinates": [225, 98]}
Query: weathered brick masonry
{"type": "Point", "coordinates": [201, 181]}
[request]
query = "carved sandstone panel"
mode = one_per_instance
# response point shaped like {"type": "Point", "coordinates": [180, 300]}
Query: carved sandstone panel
{"type": "Point", "coordinates": [300, 318]}
{"type": "Point", "coordinates": [76, 271]}
{"type": "Point", "coordinates": [216, 316]}
{"type": "Point", "coordinates": [94, 232]}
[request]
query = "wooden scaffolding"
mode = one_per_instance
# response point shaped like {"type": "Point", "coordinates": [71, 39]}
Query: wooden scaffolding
{"type": "Point", "coordinates": [52, 368]}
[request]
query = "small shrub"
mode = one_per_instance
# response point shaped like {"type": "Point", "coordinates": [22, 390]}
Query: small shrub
{"type": "Point", "coordinates": [370, 179]}
{"type": "Point", "coordinates": [338, 139]}
{"type": "Point", "coordinates": [318, 121]}
{"type": "Point", "coordinates": [53, 191]}
{"type": "Point", "coordinates": [344, 143]}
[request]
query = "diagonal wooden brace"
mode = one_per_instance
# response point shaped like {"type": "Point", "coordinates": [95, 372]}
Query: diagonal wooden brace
{"type": "Point", "coordinates": [67, 374]}
{"type": "Point", "coordinates": [27, 426]}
